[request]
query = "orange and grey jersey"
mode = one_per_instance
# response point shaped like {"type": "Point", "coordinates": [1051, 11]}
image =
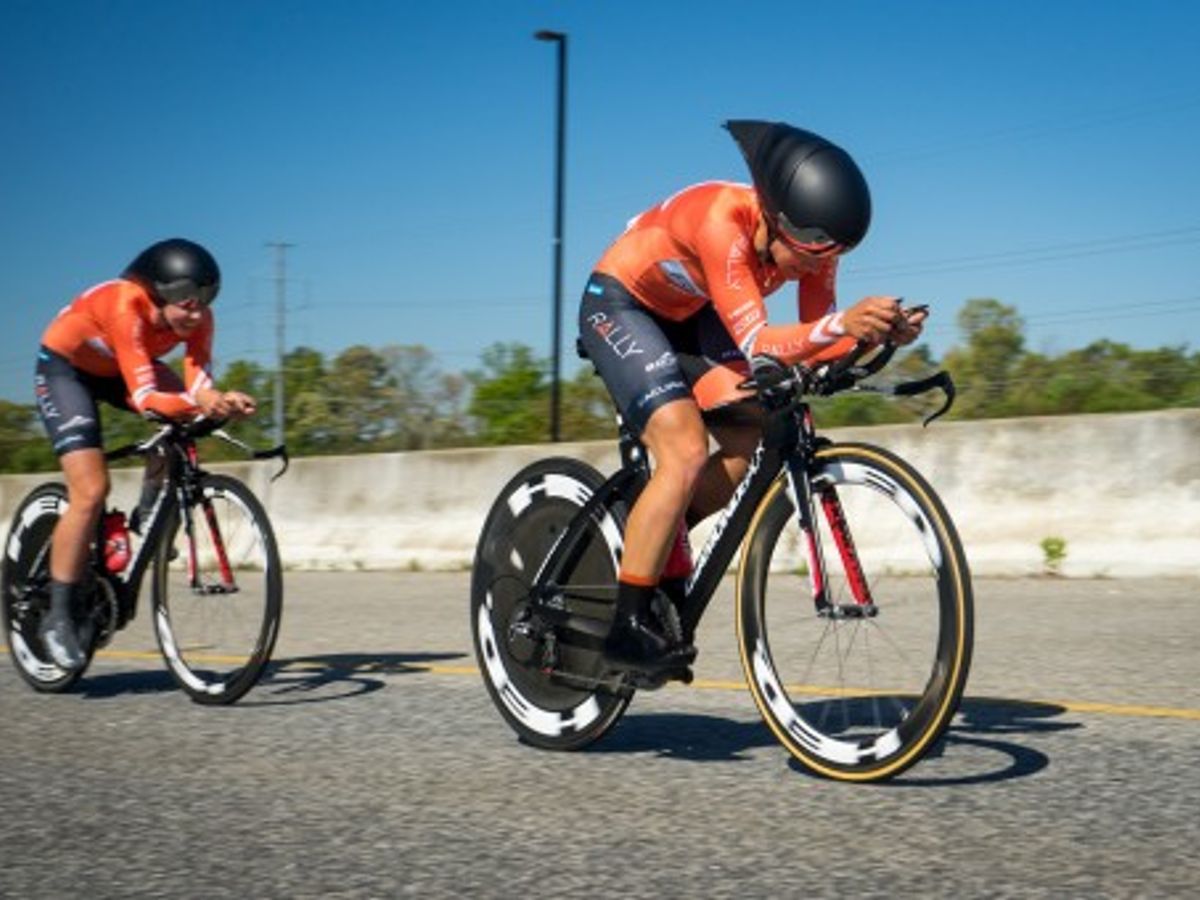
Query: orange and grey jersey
{"type": "Point", "coordinates": [697, 248]}
{"type": "Point", "coordinates": [114, 329]}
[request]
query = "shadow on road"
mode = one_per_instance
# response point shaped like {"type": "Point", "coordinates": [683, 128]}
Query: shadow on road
{"type": "Point", "coordinates": [998, 726]}
{"type": "Point", "coordinates": [303, 678]}
{"type": "Point", "coordinates": [988, 724]}
{"type": "Point", "coordinates": [117, 684]}
{"type": "Point", "coordinates": [685, 736]}
{"type": "Point", "coordinates": [980, 724]}
{"type": "Point", "coordinates": [287, 681]}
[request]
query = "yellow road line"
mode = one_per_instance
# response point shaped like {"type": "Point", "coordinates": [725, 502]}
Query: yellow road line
{"type": "Point", "coordinates": [1110, 709]}
{"type": "Point", "coordinates": [703, 684]}
{"type": "Point", "coordinates": [1117, 709]}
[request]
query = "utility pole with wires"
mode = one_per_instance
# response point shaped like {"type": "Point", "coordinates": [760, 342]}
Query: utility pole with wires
{"type": "Point", "coordinates": [280, 248]}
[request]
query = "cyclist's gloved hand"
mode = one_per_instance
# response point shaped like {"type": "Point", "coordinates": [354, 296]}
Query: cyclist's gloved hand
{"type": "Point", "coordinates": [767, 370]}
{"type": "Point", "coordinates": [769, 373]}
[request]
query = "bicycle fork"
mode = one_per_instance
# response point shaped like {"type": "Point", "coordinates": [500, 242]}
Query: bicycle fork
{"type": "Point", "coordinates": [807, 498]}
{"type": "Point", "coordinates": [227, 585]}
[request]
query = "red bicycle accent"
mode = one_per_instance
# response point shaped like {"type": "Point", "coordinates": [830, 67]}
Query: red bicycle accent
{"type": "Point", "coordinates": [832, 507]}
{"type": "Point", "coordinates": [210, 517]}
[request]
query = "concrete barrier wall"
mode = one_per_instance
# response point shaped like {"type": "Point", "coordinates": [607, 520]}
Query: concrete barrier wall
{"type": "Point", "coordinates": [1123, 491]}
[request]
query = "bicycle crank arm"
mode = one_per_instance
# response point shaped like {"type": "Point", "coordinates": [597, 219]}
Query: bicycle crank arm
{"type": "Point", "coordinates": [613, 685]}
{"type": "Point", "coordinates": [572, 622]}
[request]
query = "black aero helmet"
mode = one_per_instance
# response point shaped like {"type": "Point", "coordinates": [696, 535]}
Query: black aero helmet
{"type": "Point", "coordinates": [176, 270]}
{"type": "Point", "coordinates": [811, 190]}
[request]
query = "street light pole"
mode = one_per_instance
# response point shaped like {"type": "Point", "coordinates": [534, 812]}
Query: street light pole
{"type": "Point", "coordinates": [280, 315]}
{"type": "Point", "coordinates": [556, 328]}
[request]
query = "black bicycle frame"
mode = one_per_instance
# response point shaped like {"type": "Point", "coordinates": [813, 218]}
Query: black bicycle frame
{"type": "Point", "coordinates": [178, 486]}
{"type": "Point", "coordinates": [787, 441]}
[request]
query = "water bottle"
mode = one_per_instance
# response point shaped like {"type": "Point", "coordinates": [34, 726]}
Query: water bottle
{"type": "Point", "coordinates": [116, 542]}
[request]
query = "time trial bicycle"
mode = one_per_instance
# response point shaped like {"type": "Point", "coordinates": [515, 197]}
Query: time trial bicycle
{"type": "Point", "coordinates": [853, 599]}
{"type": "Point", "coordinates": [217, 591]}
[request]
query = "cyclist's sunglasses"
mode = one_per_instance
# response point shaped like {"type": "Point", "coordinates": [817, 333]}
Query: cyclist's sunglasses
{"type": "Point", "coordinates": [187, 294]}
{"type": "Point", "coordinates": [813, 241]}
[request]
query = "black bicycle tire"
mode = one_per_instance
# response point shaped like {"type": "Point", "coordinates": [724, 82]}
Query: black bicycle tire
{"type": "Point", "coordinates": [938, 706]}
{"type": "Point", "coordinates": [488, 654]}
{"type": "Point", "coordinates": [248, 675]}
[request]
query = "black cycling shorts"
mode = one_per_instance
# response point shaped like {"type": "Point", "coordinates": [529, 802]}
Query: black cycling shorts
{"type": "Point", "coordinates": [66, 401]}
{"type": "Point", "coordinates": [646, 360]}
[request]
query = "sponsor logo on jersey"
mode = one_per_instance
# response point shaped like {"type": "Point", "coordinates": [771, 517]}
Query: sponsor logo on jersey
{"type": "Point", "coordinates": [735, 263]}
{"type": "Point", "coordinates": [75, 423]}
{"type": "Point", "coordinates": [667, 359]}
{"type": "Point", "coordinates": [618, 338]}
{"type": "Point", "coordinates": [659, 390]}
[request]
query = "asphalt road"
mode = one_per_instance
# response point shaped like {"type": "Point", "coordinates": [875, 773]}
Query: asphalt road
{"type": "Point", "coordinates": [372, 764]}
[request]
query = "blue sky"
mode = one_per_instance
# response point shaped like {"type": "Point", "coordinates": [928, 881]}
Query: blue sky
{"type": "Point", "coordinates": [1043, 153]}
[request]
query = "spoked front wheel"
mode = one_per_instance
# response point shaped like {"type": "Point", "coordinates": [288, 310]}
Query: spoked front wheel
{"type": "Point", "coordinates": [857, 671]}
{"type": "Point", "coordinates": [218, 592]}
{"type": "Point", "coordinates": [542, 662]}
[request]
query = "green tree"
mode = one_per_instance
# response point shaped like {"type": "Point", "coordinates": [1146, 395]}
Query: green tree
{"type": "Point", "coordinates": [452, 428]}
{"type": "Point", "coordinates": [1098, 378]}
{"type": "Point", "coordinates": [24, 446]}
{"type": "Point", "coordinates": [510, 401]}
{"type": "Point", "coordinates": [587, 409]}
{"type": "Point", "coordinates": [983, 368]}
{"type": "Point", "coordinates": [427, 406]}
{"type": "Point", "coordinates": [257, 430]}
{"type": "Point", "coordinates": [360, 393]}
{"type": "Point", "coordinates": [309, 424]}
{"type": "Point", "coordinates": [1168, 375]}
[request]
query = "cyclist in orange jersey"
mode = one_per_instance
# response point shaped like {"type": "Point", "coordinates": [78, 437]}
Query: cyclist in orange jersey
{"type": "Point", "coordinates": [105, 346]}
{"type": "Point", "coordinates": [673, 319]}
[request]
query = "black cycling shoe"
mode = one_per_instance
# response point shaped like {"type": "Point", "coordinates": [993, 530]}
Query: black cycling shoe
{"type": "Point", "coordinates": [61, 638]}
{"type": "Point", "coordinates": [635, 645]}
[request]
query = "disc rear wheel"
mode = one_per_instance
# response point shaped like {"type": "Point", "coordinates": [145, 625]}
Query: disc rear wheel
{"type": "Point", "coordinates": [25, 588]}
{"type": "Point", "coordinates": [542, 661]}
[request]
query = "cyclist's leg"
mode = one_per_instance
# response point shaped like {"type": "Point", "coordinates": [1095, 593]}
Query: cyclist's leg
{"type": "Point", "coordinates": [87, 485]}
{"type": "Point", "coordinates": [678, 443]}
{"type": "Point", "coordinates": [727, 465]}
{"type": "Point", "coordinates": [715, 367]}
{"type": "Point", "coordinates": [637, 362]}
{"type": "Point", "coordinates": [69, 413]}
{"type": "Point", "coordinates": [155, 473]}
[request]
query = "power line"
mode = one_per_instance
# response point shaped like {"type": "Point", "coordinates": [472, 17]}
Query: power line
{"type": "Point", "coordinates": [1045, 253]}
{"type": "Point", "coordinates": [1059, 124]}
